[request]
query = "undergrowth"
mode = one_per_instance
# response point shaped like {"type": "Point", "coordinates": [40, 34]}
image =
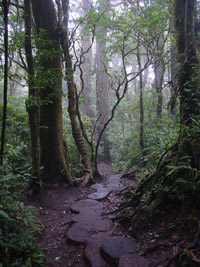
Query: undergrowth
{"type": "Point", "coordinates": [18, 223]}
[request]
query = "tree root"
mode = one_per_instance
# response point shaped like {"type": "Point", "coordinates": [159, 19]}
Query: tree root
{"type": "Point", "coordinates": [129, 175]}
{"type": "Point", "coordinates": [189, 250]}
{"type": "Point", "coordinates": [83, 181]}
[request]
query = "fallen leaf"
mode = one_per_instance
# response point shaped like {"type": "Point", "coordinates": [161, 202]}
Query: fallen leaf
{"type": "Point", "coordinates": [174, 251]}
{"type": "Point", "coordinates": [174, 237]}
{"type": "Point", "coordinates": [57, 258]}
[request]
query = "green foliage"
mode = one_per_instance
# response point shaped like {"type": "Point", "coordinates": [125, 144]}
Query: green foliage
{"type": "Point", "coordinates": [18, 247]}
{"type": "Point", "coordinates": [75, 159]}
{"type": "Point", "coordinates": [159, 135]}
{"type": "Point", "coordinates": [17, 121]}
{"type": "Point", "coordinates": [17, 149]}
{"type": "Point", "coordinates": [74, 155]}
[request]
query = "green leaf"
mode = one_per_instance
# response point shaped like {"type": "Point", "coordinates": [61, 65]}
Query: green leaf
{"type": "Point", "coordinates": [7, 177]}
{"type": "Point", "coordinates": [5, 215]}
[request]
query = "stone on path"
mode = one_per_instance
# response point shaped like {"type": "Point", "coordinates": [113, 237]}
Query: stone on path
{"type": "Point", "coordinates": [87, 204]}
{"type": "Point", "coordinates": [100, 225]}
{"type": "Point", "coordinates": [133, 260]}
{"type": "Point", "coordinates": [87, 215]}
{"type": "Point", "coordinates": [99, 195]}
{"type": "Point", "coordinates": [93, 223]}
{"type": "Point", "coordinates": [114, 179]}
{"type": "Point", "coordinates": [97, 186]}
{"type": "Point", "coordinates": [93, 252]}
{"type": "Point", "coordinates": [77, 234]}
{"type": "Point", "coordinates": [114, 247]}
{"type": "Point", "coordinates": [115, 187]}
{"type": "Point", "coordinates": [83, 231]}
{"type": "Point", "coordinates": [112, 184]}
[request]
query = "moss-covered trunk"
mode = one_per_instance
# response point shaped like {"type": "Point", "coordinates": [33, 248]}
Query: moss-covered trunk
{"type": "Point", "coordinates": [31, 104]}
{"type": "Point", "coordinates": [175, 179]}
{"type": "Point", "coordinates": [72, 109]}
{"type": "Point", "coordinates": [50, 86]}
{"type": "Point", "coordinates": [5, 5]}
{"type": "Point", "coordinates": [188, 80]}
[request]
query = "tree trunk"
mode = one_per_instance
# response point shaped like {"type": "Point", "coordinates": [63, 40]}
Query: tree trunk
{"type": "Point", "coordinates": [12, 82]}
{"type": "Point", "coordinates": [188, 80]}
{"type": "Point", "coordinates": [102, 83]}
{"type": "Point", "coordinates": [141, 102]}
{"type": "Point", "coordinates": [141, 142]}
{"type": "Point", "coordinates": [5, 5]}
{"type": "Point", "coordinates": [159, 70]}
{"type": "Point", "coordinates": [52, 156]}
{"type": "Point", "coordinates": [87, 65]}
{"type": "Point", "coordinates": [32, 103]}
{"type": "Point", "coordinates": [76, 131]}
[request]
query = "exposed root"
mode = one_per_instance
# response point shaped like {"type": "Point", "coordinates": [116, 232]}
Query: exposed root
{"type": "Point", "coordinates": [129, 175]}
{"type": "Point", "coordinates": [139, 211]}
{"type": "Point", "coordinates": [83, 181]}
{"type": "Point", "coordinates": [189, 249]}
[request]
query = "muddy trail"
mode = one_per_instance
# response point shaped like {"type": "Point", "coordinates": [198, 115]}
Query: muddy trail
{"type": "Point", "coordinates": [79, 231]}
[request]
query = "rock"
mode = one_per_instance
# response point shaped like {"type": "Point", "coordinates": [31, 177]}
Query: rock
{"type": "Point", "coordinates": [77, 234]}
{"type": "Point", "coordinates": [99, 195]}
{"type": "Point", "coordinates": [92, 221]}
{"type": "Point", "coordinates": [93, 252]}
{"type": "Point", "coordinates": [115, 187]}
{"type": "Point", "coordinates": [86, 204]}
{"type": "Point", "coordinates": [98, 225]}
{"type": "Point", "coordinates": [83, 231]}
{"type": "Point", "coordinates": [114, 179]}
{"type": "Point", "coordinates": [87, 216]}
{"type": "Point", "coordinates": [133, 260]}
{"type": "Point", "coordinates": [114, 247]}
{"type": "Point", "coordinates": [98, 186]}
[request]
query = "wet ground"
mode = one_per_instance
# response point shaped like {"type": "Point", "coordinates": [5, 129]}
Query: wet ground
{"type": "Point", "coordinates": [162, 238]}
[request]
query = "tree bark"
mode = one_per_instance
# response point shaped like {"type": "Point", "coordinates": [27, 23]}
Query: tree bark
{"type": "Point", "coordinates": [141, 141]}
{"type": "Point", "coordinates": [32, 103]}
{"type": "Point", "coordinates": [102, 83]}
{"type": "Point", "coordinates": [188, 80]}
{"type": "Point", "coordinates": [52, 155]}
{"type": "Point", "coordinates": [141, 102]}
{"type": "Point", "coordinates": [76, 131]}
{"type": "Point", "coordinates": [87, 64]}
{"type": "Point", "coordinates": [5, 4]}
{"type": "Point", "coordinates": [159, 70]}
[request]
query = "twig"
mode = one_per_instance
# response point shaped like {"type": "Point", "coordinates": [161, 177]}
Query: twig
{"type": "Point", "coordinates": [187, 248]}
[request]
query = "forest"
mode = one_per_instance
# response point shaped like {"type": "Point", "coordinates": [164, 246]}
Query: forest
{"type": "Point", "coordinates": [99, 95]}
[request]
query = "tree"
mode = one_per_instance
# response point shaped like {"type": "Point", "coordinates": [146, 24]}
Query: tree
{"type": "Point", "coordinates": [140, 90]}
{"type": "Point", "coordinates": [87, 63]}
{"type": "Point", "coordinates": [32, 103]}
{"type": "Point", "coordinates": [176, 177]}
{"type": "Point", "coordinates": [72, 94]}
{"type": "Point", "coordinates": [5, 5]}
{"type": "Point", "coordinates": [102, 83]}
{"type": "Point", "coordinates": [49, 78]}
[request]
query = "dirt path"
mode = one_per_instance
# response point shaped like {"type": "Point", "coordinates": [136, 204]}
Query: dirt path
{"type": "Point", "coordinates": [160, 240]}
{"type": "Point", "coordinates": [53, 208]}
